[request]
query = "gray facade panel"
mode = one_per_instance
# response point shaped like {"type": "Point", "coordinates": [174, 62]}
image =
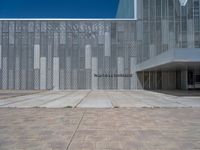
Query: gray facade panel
{"type": "Point", "coordinates": [56, 73]}
{"type": "Point", "coordinates": [36, 79]}
{"type": "Point", "coordinates": [68, 73]}
{"type": "Point", "coordinates": [43, 71]}
{"type": "Point", "coordinates": [55, 54]}
{"type": "Point", "coordinates": [5, 74]}
{"type": "Point", "coordinates": [0, 56]}
{"type": "Point", "coordinates": [17, 73]}
{"type": "Point", "coordinates": [62, 79]}
{"type": "Point", "coordinates": [94, 71]}
{"type": "Point", "coordinates": [23, 79]}
{"type": "Point", "coordinates": [11, 80]}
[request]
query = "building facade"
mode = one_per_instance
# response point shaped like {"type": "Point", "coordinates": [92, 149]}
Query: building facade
{"type": "Point", "coordinates": [168, 42]}
{"type": "Point", "coordinates": [67, 54]}
{"type": "Point", "coordinates": [152, 44]}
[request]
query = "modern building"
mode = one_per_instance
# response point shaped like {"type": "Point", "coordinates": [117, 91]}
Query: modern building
{"type": "Point", "coordinates": [152, 44]}
{"type": "Point", "coordinates": [167, 42]}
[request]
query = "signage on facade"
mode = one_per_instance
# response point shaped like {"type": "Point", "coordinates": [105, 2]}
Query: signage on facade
{"type": "Point", "coordinates": [113, 75]}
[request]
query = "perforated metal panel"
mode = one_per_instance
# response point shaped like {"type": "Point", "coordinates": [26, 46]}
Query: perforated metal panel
{"type": "Point", "coordinates": [63, 54]}
{"type": "Point", "coordinates": [4, 74]}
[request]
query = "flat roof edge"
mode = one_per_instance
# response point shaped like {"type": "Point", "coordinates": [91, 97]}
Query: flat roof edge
{"type": "Point", "coordinates": [70, 19]}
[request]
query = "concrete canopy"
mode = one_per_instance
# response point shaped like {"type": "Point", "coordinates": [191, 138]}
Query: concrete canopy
{"type": "Point", "coordinates": [172, 59]}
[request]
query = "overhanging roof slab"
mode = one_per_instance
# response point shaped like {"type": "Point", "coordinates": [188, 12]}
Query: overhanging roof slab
{"type": "Point", "coordinates": [173, 56]}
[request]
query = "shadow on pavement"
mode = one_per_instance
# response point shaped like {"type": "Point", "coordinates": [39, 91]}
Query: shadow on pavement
{"type": "Point", "coordinates": [179, 92]}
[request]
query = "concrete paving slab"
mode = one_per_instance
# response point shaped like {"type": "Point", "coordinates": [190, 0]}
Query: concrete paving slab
{"type": "Point", "coordinates": [12, 100]}
{"type": "Point", "coordinates": [123, 99]}
{"type": "Point", "coordinates": [99, 99]}
{"type": "Point", "coordinates": [189, 102]}
{"type": "Point", "coordinates": [5, 94]}
{"type": "Point", "coordinates": [37, 102]}
{"type": "Point", "coordinates": [70, 100]}
{"type": "Point", "coordinates": [157, 99]}
{"type": "Point", "coordinates": [96, 99]}
{"type": "Point", "coordinates": [150, 99]}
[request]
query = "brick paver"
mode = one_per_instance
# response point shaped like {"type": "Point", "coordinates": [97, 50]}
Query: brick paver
{"type": "Point", "coordinates": [100, 129]}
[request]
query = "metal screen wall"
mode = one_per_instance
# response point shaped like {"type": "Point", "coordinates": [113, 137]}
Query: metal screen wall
{"type": "Point", "coordinates": [58, 54]}
{"type": "Point", "coordinates": [165, 24]}
{"type": "Point", "coordinates": [162, 25]}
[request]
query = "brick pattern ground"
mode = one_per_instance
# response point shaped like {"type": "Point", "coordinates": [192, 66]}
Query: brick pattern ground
{"type": "Point", "coordinates": [100, 129]}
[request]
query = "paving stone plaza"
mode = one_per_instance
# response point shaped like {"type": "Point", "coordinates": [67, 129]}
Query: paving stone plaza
{"type": "Point", "coordinates": [100, 129]}
{"type": "Point", "coordinates": [99, 120]}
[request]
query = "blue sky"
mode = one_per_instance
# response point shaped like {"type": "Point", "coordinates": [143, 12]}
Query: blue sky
{"type": "Point", "coordinates": [58, 8]}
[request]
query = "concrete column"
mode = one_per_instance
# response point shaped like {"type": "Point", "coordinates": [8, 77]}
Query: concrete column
{"type": "Point", "coordinates": [43, 73]}
{"type": "Point", "coordinates": [149, 79]}
{"type": "Point", "coordinates": [184, 79]}
{"type": "Point", "coordinates": [172, 80]}
{"type": "Point", "coordinates": [56, 73]}
{"type": "Point", "coordinates": [143, 79]}
{"type": "Point", "coordinates": [88, 56]}
{"type": "Point", "coordinates": [165, 81]}
{"type": "Point", "coordinates": [156, 84]}
{"type": "Point", "coordinates": [94, 71]}
{"type": "Point", "coordinates": [107, 44]}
